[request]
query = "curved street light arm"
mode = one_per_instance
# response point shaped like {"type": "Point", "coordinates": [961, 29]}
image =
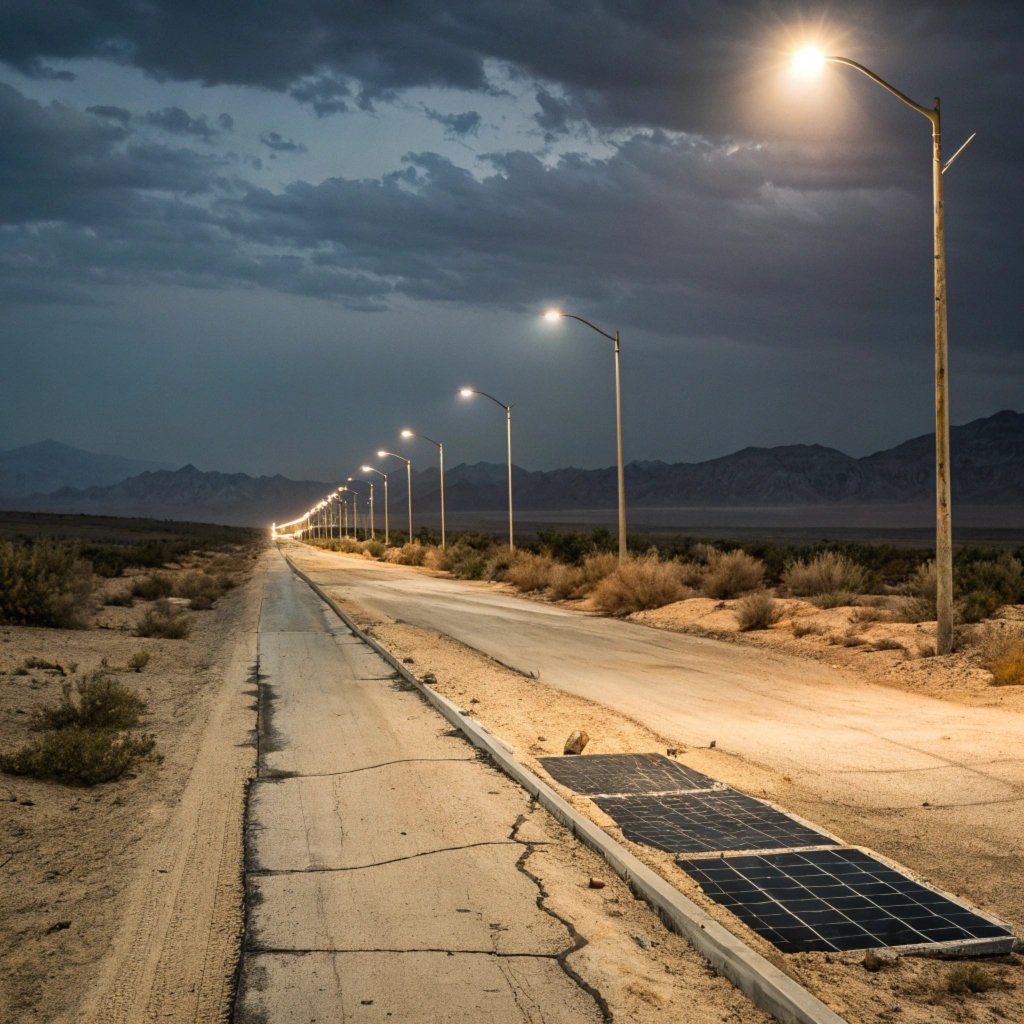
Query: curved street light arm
{"type": "Point", "coordinates": [594, 327]}
{"type": "Point", "coordinates": [932, 114]}
{"type": "Point", "coordinates": [476, 391]}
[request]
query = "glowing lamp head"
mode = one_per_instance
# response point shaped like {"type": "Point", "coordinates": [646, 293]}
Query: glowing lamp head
{"type": "Point", "coordinates": [380, 455]}
{"type": "Point", "coordinates": [808, 60]}
{"type": "Point", "coordinates": [466, 392]}
{"type": "Point", "coordinates": [366, 469]}
{"type": "Point", "coordinates": [553, 314]}
{"type": "Point", "coordinates": [408, 433]}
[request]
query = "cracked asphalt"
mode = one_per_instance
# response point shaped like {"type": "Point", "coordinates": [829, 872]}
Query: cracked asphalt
{"type": "Point", "coordinates": [388, 868]}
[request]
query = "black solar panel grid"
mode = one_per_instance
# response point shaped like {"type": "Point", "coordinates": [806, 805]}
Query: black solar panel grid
{"type": "Point", "coordinates": [591, 774]}
{"type": "Point", "coordinates": [721, 819]}
{"type": "Point", "coordinates": [833, 900]}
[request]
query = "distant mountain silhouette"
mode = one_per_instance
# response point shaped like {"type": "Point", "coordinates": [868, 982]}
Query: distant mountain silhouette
{"type": "Point", "coordinates": [49, 465]}
{"type": "Point", "coordinates": [987, 468]}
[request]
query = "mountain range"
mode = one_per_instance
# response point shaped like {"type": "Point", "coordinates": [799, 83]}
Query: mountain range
{"type": "Point", "coordinates": [987, 469]}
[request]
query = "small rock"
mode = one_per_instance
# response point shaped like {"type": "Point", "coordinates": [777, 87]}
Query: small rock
{"type": "Point", "coordinates": [926, 804]}
{"type": "Point", "coordinates": [576, 742]}
{"type": "Point", "coordinates": [542, 739]}
{"type": "Point", "coordinates": [672, 751]}
{"type": "Point", "coordinates": [58, 927]}
{"type": "Point", "coordinates": [27, 803]}
{"type": "Point", "coordinates": [872, 962]}
{"type": "Point", "coordinates": [407, 660]}
{"type": "Point", "coordinates": [366, 1002]}
{"type": "Point", "coordinates": [596, 883]}
{"type": "Point", "coordinates": [642, 941]}
{"type": "Point", "coordinates": [712, 744]}
{"type": "Point", "coordinates": [429, 678]}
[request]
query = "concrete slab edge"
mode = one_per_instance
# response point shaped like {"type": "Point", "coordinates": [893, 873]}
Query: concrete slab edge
{"type": "Point", "coordinates": [762, 982]}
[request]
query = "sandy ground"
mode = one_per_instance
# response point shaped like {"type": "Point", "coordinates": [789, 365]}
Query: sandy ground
{"type": "Point", "coordinates": [535, 720]}
{"type": "Point", "coordinates": [122, 902]}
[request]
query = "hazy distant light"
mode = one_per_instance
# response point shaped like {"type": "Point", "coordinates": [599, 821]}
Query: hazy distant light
{"type": "Point", "coordinates": [380, 455]}
{"type": "Point", "coordinates": [466, 392]}
{"type": "Point", "coordinates": [408, 433]}
{"type": "Point", "coordinates": [553, 314]}
{"type": "Point", "coordinates": [367, 469]}
{"type": "Point", "coordinates": [808, 60]}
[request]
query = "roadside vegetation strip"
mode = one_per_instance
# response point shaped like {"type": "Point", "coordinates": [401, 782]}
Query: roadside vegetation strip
{"type": "Point", "coordinates": [764, 984]}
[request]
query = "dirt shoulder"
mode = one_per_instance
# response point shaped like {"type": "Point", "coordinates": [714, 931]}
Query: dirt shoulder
{"type": "Point", "coordinates": [536, 719]}
{"type": "Point", "coordinates": [122, 900]}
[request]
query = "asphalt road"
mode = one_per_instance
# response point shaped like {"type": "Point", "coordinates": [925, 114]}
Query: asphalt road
{"type": "Point", "coordinates": [872, 749]}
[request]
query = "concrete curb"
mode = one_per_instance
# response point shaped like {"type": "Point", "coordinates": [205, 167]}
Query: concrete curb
{"type": "Point", "coordinates": [764, 984]}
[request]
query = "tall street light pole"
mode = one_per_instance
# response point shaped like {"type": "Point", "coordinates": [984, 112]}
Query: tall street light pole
{"type": "Point", "coordinates": [408, 481]}
{"type": "Point", "coordinates": [808, 60]}
{"type": "Point", "coordinates": [469, 392]}
{"type": "Point", "coordinates": [557, 314]}
{"type": "Point", "coordinates": [440, 454]}
{"type": "Point", "coordinates": [351, 480]}
{"type": "Point", "coordinates": [371, 469]}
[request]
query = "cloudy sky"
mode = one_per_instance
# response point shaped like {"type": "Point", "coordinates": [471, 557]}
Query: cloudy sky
{"type": "Point", "coordinates": [267, 236]}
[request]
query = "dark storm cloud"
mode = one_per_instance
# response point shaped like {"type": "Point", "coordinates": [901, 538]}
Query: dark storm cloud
{"type": "Point", "coordinates": [179, 122]}
{"type": "Point", "coordinates": [688, 67]}
{"type": "Point", "coordinates": [279, 144]}
{"type": "Point", "coordinates": [111, 113]}
{"type": "Point", "coordinates": [456, 125]}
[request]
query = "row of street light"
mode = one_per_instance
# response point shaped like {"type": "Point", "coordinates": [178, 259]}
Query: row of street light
{"type": "Point", "coordinates": [805, 60]}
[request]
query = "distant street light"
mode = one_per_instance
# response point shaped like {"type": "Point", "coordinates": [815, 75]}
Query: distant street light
{"type": "Point", "coordinates": [371, 469]}
{"type": "Point", "coordinates": [370, 485]}
{"type": "Point", "coordinates": [557, 314]}
{"type": "Point", "coordinates": [809, 60]}
{"type": "Point", "coordinates": [468, 393]}
{"type": "Point", "coordinates": [440, 454]}
{"type": "Point", "coordinates": [408, 480]}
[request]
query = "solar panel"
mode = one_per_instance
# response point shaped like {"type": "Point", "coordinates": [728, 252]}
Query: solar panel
{"type": "Point", "coordinates": [591, 774]}
{"type": "Point", "coordinates": [722, 819]}
{"type": "Point", "coordinates": [832, 900]}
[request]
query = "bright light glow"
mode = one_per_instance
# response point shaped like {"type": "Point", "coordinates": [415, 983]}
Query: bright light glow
{"type": "Point", "coordinates": [808, 60]}
{"type": "Point", "coordinates": [466, 392]}
{"type": "Point", "coordinates": [408, 433]}
{"type": "Point", "coordinates": [366, 469]}
{"type": "Point", "coordinates": [380, 455]}
{"type": "Point", "coordinates": [553, 314]}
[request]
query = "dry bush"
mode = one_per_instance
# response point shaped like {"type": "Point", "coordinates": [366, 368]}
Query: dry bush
{"type": "Point", "coordinates": [731, 573]}
{"type": "Point", "coordinates": [436, 559]}
{"type": "Point", "coordinates": [152, 588]}
{"type": "Point", "coordinates": [639, 583]}
{"type": "Point", "coordinates": [826, 573]}
{"type": "Point", "coordinates": [466, 563]}
{"type": "Point", "coordinates": [888, 644]}
{"type": "Point", "coordinates": [834, 599]}
{"type": "Point", "coordinates": [44, 583]}
{"type": "Point", "coordinates": [806, 629]}
{"type": "Point", "coordinates": [120, 599]}
{"type": "Point", "coordinates": [102, 703]}
{"type": "Point", "coordinates": [871, 613]}
{"type": "Point", "coordinates": [77, 755]}
{"type": "Point", "coordinates": [165, 621]}
{"type": "Point", "coordinates": [530, 572]}
{"type": "Point", "coordinates": [565, 581]}
{"type": "Point", "coordinates": [1004, 658]}
{"type": "Point", "coordinates": [966, 978]}
{"type": "Point", "coordinates": [758, 610]}
{"type": "Point", "coordinates": [919, 604]}
{"type": "Point", "coordinates": [595, 568]}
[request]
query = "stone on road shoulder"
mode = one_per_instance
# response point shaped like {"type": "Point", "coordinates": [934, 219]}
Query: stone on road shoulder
{"type": "Point", "coordinates": [387, 866]}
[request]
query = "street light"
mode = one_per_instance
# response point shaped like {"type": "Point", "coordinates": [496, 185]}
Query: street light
{"type": "Point", "coordinates": [371, 469]}
{"type": "Point", "coordinates": [807, 60]}
{"type": "Point", "coordinates": [468, 393]}
{"type": "Point", "coordinates": [557, 314]}
{"type": "Point", "coordinates": [370, 485]}
{"type": "Point", "coordinates": [440, 454]}
{"type": "Point", "coordinates": [408, 480]}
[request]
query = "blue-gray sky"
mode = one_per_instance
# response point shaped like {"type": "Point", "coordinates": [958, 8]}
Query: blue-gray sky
{"type": "Point", "coordinates": [267, 237]}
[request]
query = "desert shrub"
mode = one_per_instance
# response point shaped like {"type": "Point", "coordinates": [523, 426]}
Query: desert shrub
{"type": "Point", "coordinates": [1005, 660]}
{"type": "Point", "coordinates": [572, 548]}
{"type": "Point", "coordinates": [834, 599]}
{"type": "Point", "coordinates": [498, 562]}
{"type": "Point", "coordinates": [983, 586]}
{"type": "Point", "coordinates": [758, 610]}
{"type": "Point", "coordinates": [639, 583]}
{"type": "Point", "coordinates": [138, 661]}
{"type": "Point", "coordinates": [411, 554]}
{"type": "Point", "coordinates": [888, 644]}
{"type": "Point", "coordinates": [43, 583]}
{"type": "Point", "coordinates": [74, 754]}
{"type": "Point", "coordinates": [374, 548]}
{"type": "Point", "coordinates": [731, 573]}
{"type": "Point", "coordinates": [152, 588]}
{"type": "Point", "coordinates": [120, 599]}
{"type": "Point", "coordinates": [966, 978]}
{"type": "Point", "coordinates": [919, 604]}
{"type": "Point", "coordinates": [529, 571]}
{"type": "Point", "coordinates": [595, 568]}
{"type": "Point", "coordinates": [102, 703]}
{"type": "Point", "coordinates": [165, 621]}
{"type": "Point", "coordinates": [564, 581]}
{"type": "Point", "coordinates": [805, 629]}
{"type": "Point", "coordinates": [466, 563]}
{"type": "Point", "coordinates": [828, 572]}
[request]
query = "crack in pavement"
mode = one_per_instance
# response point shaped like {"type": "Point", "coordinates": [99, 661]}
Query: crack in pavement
{"type": "Point", "coordinates": [383, 764]}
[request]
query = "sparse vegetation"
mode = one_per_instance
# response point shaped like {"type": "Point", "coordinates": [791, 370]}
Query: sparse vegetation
{"type": "Point", "coordinates": [731, 573]}
{"type": "Point", "coordinates": [1005, 660]}
{"type": "Point", "coordinates": [639, 583]}
{"type": "Point", "coordinates": [43, 583]}
{"type": "Point", "coordinates": [969, 978]}
{"type": "Point", "coordinates": [529, 571]}
{"type": "Point", "coordinates": [758, 610]}
{"type": "Point", "coordinates": [138, 661]}
{"type": "Point", "coordinates": [165, 621]}
{"type": "Point", "coordinates": [826, 573]}
{"type": "Point", "coordinates": [97, 702]}
{"type": "Point", "coordinates": [77, 755]}
{"type": "Point", "coordinates": [805, 629]}
{"type": "Point", "coordinates": [152, 588]}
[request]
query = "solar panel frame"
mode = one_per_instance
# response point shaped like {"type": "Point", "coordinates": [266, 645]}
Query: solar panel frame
{"type": "Point", "coordinates": [608, 774]}
{"type": "Point", "coordinates": [839, 900]}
